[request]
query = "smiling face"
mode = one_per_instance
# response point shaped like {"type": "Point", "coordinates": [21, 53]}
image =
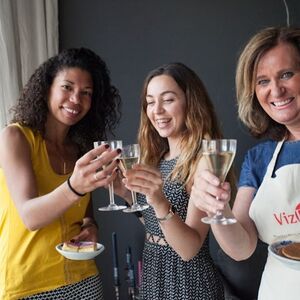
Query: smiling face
{"type": "Point", "coordinates": [278, 85]}
{"type": "Point", "coordinates": [70, 96]}
{"type": "Point", "coordinates": [166, 105]}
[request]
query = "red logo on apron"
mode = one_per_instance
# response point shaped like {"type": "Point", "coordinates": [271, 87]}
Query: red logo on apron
{"type": "Point", "coordinates": [285, 218]}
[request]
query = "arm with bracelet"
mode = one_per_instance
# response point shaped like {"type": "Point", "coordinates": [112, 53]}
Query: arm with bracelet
{"type": "Point", "coordinates": [176, 114]}
{"type": "Point", "coordinates": [184, 236]}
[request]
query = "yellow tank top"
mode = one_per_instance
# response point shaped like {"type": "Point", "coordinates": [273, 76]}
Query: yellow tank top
{"type": "Point", "coordinates": [29, 263]}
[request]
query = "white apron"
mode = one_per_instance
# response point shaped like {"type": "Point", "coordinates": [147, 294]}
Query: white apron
{"type": "Point", "coordinates": [274, 211]}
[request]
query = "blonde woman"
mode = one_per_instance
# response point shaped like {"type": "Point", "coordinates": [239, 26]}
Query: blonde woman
{"type": "Point", "coordinates": [268, 94]}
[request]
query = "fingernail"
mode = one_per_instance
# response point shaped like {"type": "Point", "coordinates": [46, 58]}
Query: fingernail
{"type": "Point", "coordinates": [119, 151]}
{"type": "Point", "coordinates": [117, 160]}
{"type": "Point", "coordinates": [106, 146]}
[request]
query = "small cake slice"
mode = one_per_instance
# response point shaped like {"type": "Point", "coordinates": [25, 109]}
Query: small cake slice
{"type": "Point", "coordinates": [87, 247]}
{"type": "Point", "coordinates": [70, 246]}
{"type": "Point", "coordinates": [292, 251]}
{"type": "Point", "coordinates": [82, 246]}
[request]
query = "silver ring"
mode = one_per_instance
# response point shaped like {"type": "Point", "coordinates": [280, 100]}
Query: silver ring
{"type": "Point", "coordinates": [95, 176]}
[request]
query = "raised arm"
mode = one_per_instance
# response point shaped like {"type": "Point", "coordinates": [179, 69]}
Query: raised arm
{"type": "Point", "coordinates": [185, 237]}
{"type": "Point", "coordinates": [237, 240]}
{"type": "Point", "coordinates": [36, 210]}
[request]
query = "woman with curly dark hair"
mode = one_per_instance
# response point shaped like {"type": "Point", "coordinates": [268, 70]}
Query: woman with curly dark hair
{"type": "Point", "coordinates": [47, 171]}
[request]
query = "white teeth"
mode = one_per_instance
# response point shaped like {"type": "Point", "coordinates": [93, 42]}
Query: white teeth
{"type": "Point", "coordinates": [72, 111]}
{"type": "Point", "coordinates": [283, 102]}
{"type": "Point", "coordinates": [161, 121]}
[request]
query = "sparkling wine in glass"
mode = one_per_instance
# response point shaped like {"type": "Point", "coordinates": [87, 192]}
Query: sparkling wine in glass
{"type": "Point", "coordinates": [219, 155]}
{"type": "Point", "coordinates": [114, 144]}
{"type": "Point", "coordinates": [130, 156]}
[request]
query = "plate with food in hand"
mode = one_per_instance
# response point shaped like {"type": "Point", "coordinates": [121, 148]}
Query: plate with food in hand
{"type": "Point", "coordinates": [288, 252]}
{"type": "Point", "coordinates": [82, 250]}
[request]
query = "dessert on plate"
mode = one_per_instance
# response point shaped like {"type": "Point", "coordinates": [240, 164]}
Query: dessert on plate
{"type": "Point", "coordinates": [291, 251]}
{"type": "Point", "coordinates": [81, 246]}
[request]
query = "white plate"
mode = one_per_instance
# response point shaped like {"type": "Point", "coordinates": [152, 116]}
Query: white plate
{"type": "Point", "coordinates": [274, 251]}
{"type": "Point", "coordinates": [79, 255]}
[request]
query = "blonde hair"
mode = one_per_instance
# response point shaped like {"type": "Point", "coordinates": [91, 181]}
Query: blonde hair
{"type": "Point", "coordinates": [200, 121]}
{"type": "Point", "coordinates": [249, 109]}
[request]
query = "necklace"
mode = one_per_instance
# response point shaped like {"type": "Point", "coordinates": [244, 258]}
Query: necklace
{"type": "Point", "coordinates": [58, 162]}
{"type": "Point", "coordinates": [64, 168]}
{"type": "Point", "coordinates": [63, 163]}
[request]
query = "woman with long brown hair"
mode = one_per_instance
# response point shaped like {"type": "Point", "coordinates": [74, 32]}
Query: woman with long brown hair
{"type": "Point", "coordinates": [176, 115]}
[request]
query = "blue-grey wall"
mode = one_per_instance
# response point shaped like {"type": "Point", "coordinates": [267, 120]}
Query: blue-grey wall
{"type": "Point", "coordinates": [135, 36]}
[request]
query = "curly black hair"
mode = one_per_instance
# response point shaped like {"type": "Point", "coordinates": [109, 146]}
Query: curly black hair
{"type": "Point", "coordinates": [31, 109]}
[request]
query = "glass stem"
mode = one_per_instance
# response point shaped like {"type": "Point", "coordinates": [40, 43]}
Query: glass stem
{"type": "Point", "coordinates": [111, 194]}
{"type": "Point", "coordinates": [134, 201]}
{"type": "Point", "coordinates": [219, 214]}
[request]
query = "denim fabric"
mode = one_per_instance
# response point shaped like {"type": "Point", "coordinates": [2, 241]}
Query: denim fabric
{"type": "Point", "coordinates": [257, 160]}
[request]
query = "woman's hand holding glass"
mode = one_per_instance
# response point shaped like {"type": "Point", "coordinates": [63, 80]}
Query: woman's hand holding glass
{"type": "Point", "coordinates": [130, 156]}
{"type": "Point", "coordinates": [112, 206]}
{"type": "Point", "coordinates": [145, 180]}
{"type": "Point", "coordinates": [89, 173]}
{"type": "Point", "coordinates": [120, 188]}
{"type": "Point", "coordinates": [209, 194]}
{"type": "Point", "coordinates": [219, 155]}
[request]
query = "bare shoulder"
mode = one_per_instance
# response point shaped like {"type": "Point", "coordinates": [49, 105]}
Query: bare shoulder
{"type": "Point", "coordinates": [13, 135]}
{"type": "Point", "coordinates": [12, 141]}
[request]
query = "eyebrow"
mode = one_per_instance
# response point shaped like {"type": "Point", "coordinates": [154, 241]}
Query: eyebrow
{"type": "Point", "coordinates": [71, 82]}
{"type": "Point", "coordinates": [163, 93]}
{"type": "Point", "coordinates": [293, 69]}
{"type": "Point", "coordinates": [260, 77]}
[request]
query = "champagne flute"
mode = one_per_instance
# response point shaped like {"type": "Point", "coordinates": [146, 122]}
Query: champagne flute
{"type": "Point", "coordinates": [114, 144]}
{"type": "Point", "coordinates": [219, 155]}
{"type": "Point", "coordinates": [130, 156]}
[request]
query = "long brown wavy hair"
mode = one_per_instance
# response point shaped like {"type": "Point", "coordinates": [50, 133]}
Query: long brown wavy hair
{"type": "Point", "coordinates": [200, 121]}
